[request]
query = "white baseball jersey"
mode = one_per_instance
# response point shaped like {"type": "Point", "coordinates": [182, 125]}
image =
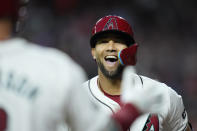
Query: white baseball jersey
{"type": "Point", "coordinates": [40, 90]}
{"type": "Point", "coordinates": [173, 117]}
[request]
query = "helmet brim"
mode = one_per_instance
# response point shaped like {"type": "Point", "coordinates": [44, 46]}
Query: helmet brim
{"type": "Point", "coordinates": [128, 39]}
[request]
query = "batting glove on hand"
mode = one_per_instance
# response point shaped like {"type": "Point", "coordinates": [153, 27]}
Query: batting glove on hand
{"type": "Point", "coordinates": [127, 56]}
{"type": "Point", "coordinates": [149, 99]}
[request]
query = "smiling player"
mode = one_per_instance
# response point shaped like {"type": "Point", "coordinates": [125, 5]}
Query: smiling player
{"type": "Point", "coordinates": [113, 46]}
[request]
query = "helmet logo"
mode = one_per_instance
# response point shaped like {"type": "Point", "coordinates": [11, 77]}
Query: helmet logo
{"type": "Point", "coordinates": [111, 24]}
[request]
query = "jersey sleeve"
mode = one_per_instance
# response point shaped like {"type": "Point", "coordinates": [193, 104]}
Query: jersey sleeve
{"type": "Point", "coordinates": [177, 118]}
{"type": "Point", "coordinates": [173, 116]}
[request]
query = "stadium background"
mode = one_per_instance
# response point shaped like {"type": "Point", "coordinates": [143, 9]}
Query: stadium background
{"type": "Point", "coordinates": [166, 31]}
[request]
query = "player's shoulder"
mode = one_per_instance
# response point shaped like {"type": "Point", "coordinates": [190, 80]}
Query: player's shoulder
{"type": "Point", "coordinates": [53, 59]}
{"type": "Point", "coordinates": [146, 80]}
{"type": "Point", "coordinates": [173, 95]}
{"type": "Point", "coordinates": [47, 53]}
{"type": "Point", "coordinates": [173, 100]}
{"type": "Point", "coordinates": [91, 81]}
{"type": "Point", "coordinates": [21, 48]}
{"type": "Point", "coordinates": [51, 55]}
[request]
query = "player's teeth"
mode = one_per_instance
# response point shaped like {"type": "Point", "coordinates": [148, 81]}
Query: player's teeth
{"type": "Point", "coordinates": [111, 57]}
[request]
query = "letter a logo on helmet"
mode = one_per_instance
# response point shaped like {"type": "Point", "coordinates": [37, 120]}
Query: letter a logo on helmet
{"type": "Point", "coordinates": [112, 24]}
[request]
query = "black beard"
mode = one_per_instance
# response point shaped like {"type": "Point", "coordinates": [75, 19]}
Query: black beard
{"type": "Point", "coordinates": [117, 74]}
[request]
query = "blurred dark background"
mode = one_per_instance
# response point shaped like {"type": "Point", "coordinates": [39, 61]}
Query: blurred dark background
{"type": "Point", "coordinates": [166, 31]}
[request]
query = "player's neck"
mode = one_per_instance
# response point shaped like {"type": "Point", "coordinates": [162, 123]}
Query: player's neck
{"type": "Point", "coordinates": [111, 87]}
{"type": "Point", "coordinates": [5, 29]}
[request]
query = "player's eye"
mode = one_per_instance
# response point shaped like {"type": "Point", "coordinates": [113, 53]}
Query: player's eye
{"type": "Point", "coordinates": [119, 41]}
{"type": "Point", "coordinates": [102, 41]}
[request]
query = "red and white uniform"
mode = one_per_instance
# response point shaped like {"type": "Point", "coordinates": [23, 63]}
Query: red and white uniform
{"type": "Point", "coordinates": [172, 118]}
{"type": "Point", "coordinates": [40, 90]}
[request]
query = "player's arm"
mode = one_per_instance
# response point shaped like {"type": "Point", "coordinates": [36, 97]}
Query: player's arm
{"type": "Point", "coordinates": [136, 99]}
{"type": "Point", "coordinates": [177, 114]}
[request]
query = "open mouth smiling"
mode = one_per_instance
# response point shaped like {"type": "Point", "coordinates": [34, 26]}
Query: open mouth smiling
{"type": "Point", "coordinates": [111, 58]}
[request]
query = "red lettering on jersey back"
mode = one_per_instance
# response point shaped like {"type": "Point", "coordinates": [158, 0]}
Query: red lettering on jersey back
{"type": "Point", "coordinates": [3, 120]}
{"type": "Point", "coordinates": [152, 123]}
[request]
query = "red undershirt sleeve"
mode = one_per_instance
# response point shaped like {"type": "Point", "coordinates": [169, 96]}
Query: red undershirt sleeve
{"type": "Point", "coordinates": [126, 116]}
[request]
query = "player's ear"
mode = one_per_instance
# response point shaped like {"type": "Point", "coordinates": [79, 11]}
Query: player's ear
{"type": "Point", "coordinates": [93, 53]}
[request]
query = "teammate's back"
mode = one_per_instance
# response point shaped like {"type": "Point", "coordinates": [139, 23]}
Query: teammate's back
{"type": "Point", "coordinates": [35, 84]}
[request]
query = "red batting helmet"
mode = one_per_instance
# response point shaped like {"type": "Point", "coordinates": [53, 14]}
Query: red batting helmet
{"type": "Point", "coordinates": [112, 24]}
{"type": "Point", "coordinates": [9, 9]}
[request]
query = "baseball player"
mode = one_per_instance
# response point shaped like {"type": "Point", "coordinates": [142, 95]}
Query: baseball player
{"type": "Point", "coordinates": [40, 88]}
{"type": "Point", "coordinates": [113, 47]}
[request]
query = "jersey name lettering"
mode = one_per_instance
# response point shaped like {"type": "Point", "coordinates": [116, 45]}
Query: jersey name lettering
{"type": "Point", "coordinates": [18, 84]}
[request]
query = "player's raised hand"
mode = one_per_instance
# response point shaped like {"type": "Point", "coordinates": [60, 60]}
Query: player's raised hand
{"type": "Point", "coordinates": [148, 99]}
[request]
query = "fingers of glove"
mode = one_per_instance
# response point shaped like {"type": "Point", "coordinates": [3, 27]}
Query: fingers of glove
{"type": "Point", "coordinates": [129, 82]}
{"type": "Point", "coordinates": [129, 77]}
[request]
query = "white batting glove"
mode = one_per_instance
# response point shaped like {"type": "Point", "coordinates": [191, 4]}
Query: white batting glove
{"type": "Point", "coordinates": [149, 99]}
